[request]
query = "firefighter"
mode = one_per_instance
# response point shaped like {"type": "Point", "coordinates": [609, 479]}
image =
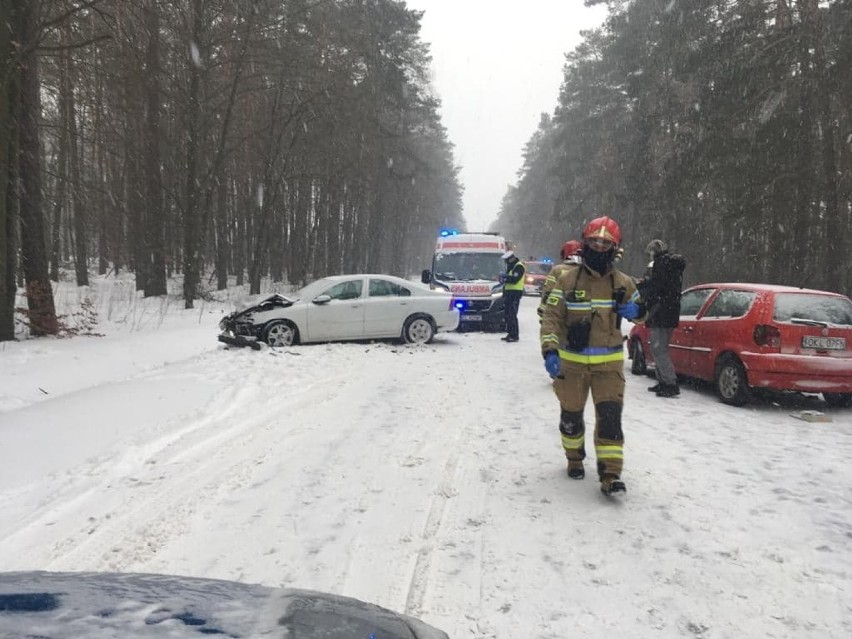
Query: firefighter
{"type": "Point", "coordinates": [582, 345]}
{"type": "Point", "coordinates": [570, 254]}
{"type": "Point", "coordinates": [513, 290]}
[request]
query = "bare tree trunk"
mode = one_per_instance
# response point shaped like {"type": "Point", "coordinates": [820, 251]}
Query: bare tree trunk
{"type": "Point", "coordinates": [78, 211]}
{"type": "Point", "coordinates": [7, 270]}
{"type": "Point", "coordinates": [155, 234]}
{"type": "Point", "coordinates": [835, 261]}
{"type": "Point", "coordinates": [101, 181]}
{"type": "Point", "coordinates": [61, 170]}
{"type": "Point", "coordinates": [42, 313]}
{"type": "Point", "coordinates": [222, 231]}
{"type": "Point", "coordinates": [192, 230]}
{"type": "Point", "coordinates": [129, 182]}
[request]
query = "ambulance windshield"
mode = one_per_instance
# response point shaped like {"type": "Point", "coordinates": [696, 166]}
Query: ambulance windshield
{"type": "Point", "coordinates": [465, 267]}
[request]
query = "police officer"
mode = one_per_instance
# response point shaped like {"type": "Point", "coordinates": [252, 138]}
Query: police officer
{"type": "Point", "coordinates": [513, 290]}
{"type": "Point", "coordinates": [582, 345]}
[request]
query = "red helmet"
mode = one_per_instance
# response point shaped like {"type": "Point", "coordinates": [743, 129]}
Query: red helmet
{"type": "Point", "coordinates": [570, 248]}
{"type": "Point", "coordinates": [603, 227]}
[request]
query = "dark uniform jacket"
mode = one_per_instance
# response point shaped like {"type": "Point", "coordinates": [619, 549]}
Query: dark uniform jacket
{"type": "Point", "coordinates": [661, 290]}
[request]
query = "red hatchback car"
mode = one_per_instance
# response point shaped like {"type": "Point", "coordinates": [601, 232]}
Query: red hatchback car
{"type": "Point", "coordinates": [743, 336]}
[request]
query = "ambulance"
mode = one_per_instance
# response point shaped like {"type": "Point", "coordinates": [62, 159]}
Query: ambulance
{"type": "Point", "coordinates": [468, 265]}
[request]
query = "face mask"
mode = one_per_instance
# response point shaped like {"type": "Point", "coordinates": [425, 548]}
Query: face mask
{"type": "Point", "coordinates": [598, 261]}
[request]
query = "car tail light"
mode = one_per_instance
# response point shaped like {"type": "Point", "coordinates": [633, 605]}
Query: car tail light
{"type": "Point", "coordinates": [767, 335]}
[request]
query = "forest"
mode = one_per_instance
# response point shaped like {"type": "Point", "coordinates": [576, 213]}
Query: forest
{"type": "Point", "coordinates": [292, 139]}
{"type": "Point", "coordinates": [721, 127]}
{"type": "Point", "coordinates": [289, 139]}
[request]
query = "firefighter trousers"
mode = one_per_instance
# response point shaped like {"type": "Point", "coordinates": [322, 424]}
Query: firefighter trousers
{"type": "Point", "coordinates": [607, 388]}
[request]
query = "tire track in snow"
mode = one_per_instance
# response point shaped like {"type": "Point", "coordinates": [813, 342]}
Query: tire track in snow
{"type": "Point", "coordinates": [73, 487]}
{"type": "Point", "coordinates": [419, 582]}
{"type": "Point", "coordinates": [166, 513]}
{"type": "Point", "coordinates": [199, 454]}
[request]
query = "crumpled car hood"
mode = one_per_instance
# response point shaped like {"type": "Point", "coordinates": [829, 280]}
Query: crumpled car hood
{"type": "Point", "coordinates": [272, 301]}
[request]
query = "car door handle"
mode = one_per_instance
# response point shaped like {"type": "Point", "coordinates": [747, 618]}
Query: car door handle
{"type": "Point", "coordinates": [356, 306]}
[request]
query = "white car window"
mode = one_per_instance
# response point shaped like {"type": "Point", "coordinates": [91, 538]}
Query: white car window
{"type": "Point", "coordinates": [350, 290]}
{"type": "Point", "coordinates": [384, 288]}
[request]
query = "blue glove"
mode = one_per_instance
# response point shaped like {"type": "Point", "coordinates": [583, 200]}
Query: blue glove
{"type": "Point", "coordinates": [628, 310]}
{"type": "Point", "coordinates": [503, 277]}
{"type": "Point", "coordinates": [551, 363]}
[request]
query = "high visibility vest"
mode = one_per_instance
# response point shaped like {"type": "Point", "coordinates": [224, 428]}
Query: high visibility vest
{"type": "Point", "coordinates": [519, 285]}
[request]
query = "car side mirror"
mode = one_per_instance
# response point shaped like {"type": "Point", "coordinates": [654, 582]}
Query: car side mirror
{"type": "Point", "coordinates": [322, 299]}
{"type": "Point", "coordinates": [426, 276]}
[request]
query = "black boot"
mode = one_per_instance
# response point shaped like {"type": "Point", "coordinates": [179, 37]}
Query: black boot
{"type": "Point", "coordinates": [576, 470]}
{"type": "Point", "coordinates": [612, 484]}
{"type": "Point", "coordinates": [654, 388]}
{"type": "Point", "coordinates": [668, 390]}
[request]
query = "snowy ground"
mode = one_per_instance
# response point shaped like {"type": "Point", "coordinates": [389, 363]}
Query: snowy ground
{"type": "Point", "coordinates": [428, 480]}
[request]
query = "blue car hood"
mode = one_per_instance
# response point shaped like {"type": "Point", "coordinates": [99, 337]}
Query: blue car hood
{"type": "Point", "coordinates": [89, 605]}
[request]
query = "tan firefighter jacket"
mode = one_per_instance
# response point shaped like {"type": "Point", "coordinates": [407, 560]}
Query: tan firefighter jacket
{"type": "Point", "coordinates": [549, 283]}
{"type": "Point", "coordinates": [580, 319]}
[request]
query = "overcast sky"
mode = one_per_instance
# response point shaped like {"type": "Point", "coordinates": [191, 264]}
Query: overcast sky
{"type": "Point", "coordinates": [497, 65]}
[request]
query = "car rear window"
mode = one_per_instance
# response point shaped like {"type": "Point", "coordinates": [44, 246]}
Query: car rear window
{"type": "Point", "coordinates": [818, 308]}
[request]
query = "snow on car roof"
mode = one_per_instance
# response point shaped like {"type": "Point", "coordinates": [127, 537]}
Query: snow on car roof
{"type": "Point", "coordinates": [752, 286]}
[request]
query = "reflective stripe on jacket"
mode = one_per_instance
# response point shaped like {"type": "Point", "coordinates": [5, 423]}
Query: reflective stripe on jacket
{"type": "Point", "coordinates": [583, 295]}
{"type": "Point", "coordinates": [550, 282]}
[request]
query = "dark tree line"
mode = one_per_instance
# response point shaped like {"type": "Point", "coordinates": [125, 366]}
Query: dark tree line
{"type": "Point", "coordinates": [288, 139]}
{"type": "Point", "coordinates": [723, 127]}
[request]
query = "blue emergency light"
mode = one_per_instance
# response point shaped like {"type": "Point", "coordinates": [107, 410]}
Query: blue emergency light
{"type": "Point", "coordinates": [546, 260]}
{"type": "Point", "coordinates": [448, 231]}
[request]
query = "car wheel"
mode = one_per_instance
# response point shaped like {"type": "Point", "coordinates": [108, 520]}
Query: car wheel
{"type": "Point", "coordinates": [281, 333]}
{"type": "Point", "coordinates": [838, 400]}
{"type": "Point", "coordinates": [731, 381]}
{"type": "Point", "coordinates": [418, 329]}
{"type": "Point", "coordinates": [638, 365]}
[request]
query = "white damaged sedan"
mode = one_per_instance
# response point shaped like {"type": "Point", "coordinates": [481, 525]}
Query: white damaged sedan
{"type": "Point", "coordinates": [344, 307]}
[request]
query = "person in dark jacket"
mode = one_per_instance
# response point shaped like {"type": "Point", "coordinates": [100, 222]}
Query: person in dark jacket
{"type": "Point", "coordinates": [513, 290]}
{"type": "Point", "coordinates": [660, 290]}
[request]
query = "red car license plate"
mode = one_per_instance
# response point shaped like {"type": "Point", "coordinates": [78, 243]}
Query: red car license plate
{"type": "Point", "coordinates": [824, 343]}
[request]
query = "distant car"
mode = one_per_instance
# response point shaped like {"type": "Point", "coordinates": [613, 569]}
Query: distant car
{"type": "Point", "coordinates": [536, 274]}
{"type": "Point", "coordinates": [745, 336]}
{"type": "Point", "coordinates": [344, 307]}
{"type": "Point", "coordinates": [82, 605]}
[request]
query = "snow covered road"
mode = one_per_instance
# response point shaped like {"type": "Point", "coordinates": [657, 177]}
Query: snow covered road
{"type": "Point", "coordinates": [427, 479]}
